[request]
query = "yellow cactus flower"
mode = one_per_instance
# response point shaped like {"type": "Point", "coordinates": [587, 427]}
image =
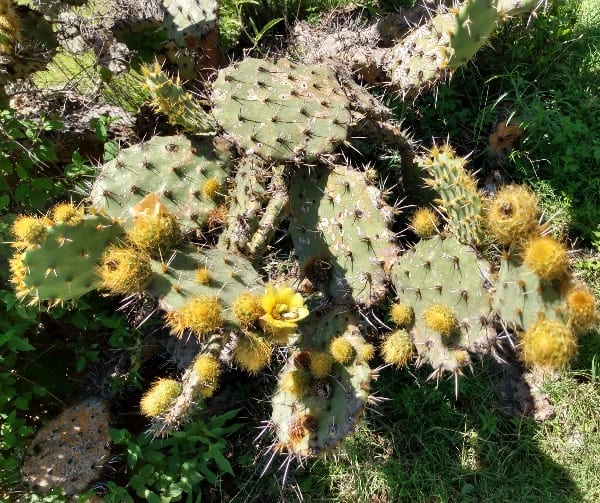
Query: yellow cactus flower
{"type": "Point", "coordinates": [284, 308]}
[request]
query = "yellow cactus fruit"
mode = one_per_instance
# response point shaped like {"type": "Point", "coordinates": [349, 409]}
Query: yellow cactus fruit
{"type": "Point", "coordinates": [124, 270]}
{"type": "Point", "coordinates": [29, 231]}
{"type": "Point", "coordinates": [441, 319]}
{"type": "Point", "coordinates": [211, 188]}
{"type": "Point", "coordinates": [296, 382]}
{"type": "Point", "coordinates": [207, 369]}
{"type": "Point", "coordinates": [320, 364]}
{"type": "Point", "coordinates": [366, 352]}
{"type": "Point", "coordinates": [155, 232]}
{"type": "Point", "coordinates": [397, 349]}
{"type": "Point", "coordinates": [548, 344]}
{"type": "Point", "coordinates": [402, 314]}
{"type": "Point", "coordinates": [252, 352]}
{"type": "Point", "coordinates": [201, 315]}
{"type": "Point", "coordinates": [247, 308]}
{"type": "Point", "coordinates": [341, 350]}
{"type": "Point", "coordinates": [582, 307]}
{"type": "Point", "coordinates": [512, 214]}
{"type": "Point", "coordinates": [546, 257]}
{"type": "Point", "coordinates": [159, 398]}
{"type": "Point", "coordinates": [203, 276]}
{"type": "Point", "coordinates": [68, 214]}
{"type": "Point", "coordinates": [425, 222]}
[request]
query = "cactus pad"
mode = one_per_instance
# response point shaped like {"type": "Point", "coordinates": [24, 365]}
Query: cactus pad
{"type": "Point", "coordinates": [62, 265]}
{"type": "Point", "coordinates": [281, 110]}
{"type": "Point", "coordinates": [312, 415]}
{"type": "Point", "coordinates": [341, 222]}
{"type": "Point", "coordinates": [446, 282]}
{"type": "Point", "coordinates": [173, 167]}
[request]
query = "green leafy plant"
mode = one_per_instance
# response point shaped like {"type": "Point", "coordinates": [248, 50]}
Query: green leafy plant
{"type": "Point", "coordinates": [170, 469]}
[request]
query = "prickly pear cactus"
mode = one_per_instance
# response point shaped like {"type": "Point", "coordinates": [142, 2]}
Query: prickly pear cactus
{"type": "Point", "coordinates": [319, 398]}
{"type": "Point", "coordinates": [215, 276]}
{"type": "Point", "coordinates": [446, 284]}
{"type": "Point", "coordinates": [459, 198]}
{"type": "Point", "coordinates": [180, 107]}
{"type": "Point", "coordinates": [340, 226]}
{"type": "Point", "coordinates": [187, 175]}
{"type": "Point", "coordinates": [58, 260]}
{"type": "Point", "coordinates": [447, 41]}
{"type": "Point", "coordinates": [281, 110]}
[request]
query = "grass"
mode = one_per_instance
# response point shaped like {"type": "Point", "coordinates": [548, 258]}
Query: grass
{"type": "Point", "coordinates": [423, 445]}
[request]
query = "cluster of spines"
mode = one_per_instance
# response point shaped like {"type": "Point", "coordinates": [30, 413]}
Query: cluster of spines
{"type": "Point", "coordinates": [180, 107]}
{"type": "Point", "coordinates": [56, 255]}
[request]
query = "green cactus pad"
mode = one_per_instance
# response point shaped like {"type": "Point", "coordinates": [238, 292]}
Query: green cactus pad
{"type": "Point", "coordinates": [189, 18]}
{"type": "Point", "coordinates": [521, 298]}
{"type": "Point", "coordinates": [175, 281]}
{"type": "Point", "coordinates": [458, 194]}
{"type": "Point", "coordinates": [328, 411]}
{"type": "Point", "coordinates": [281, 110]}
{"type": "Point", "coordinates": [174, 167]}
{"type": "Point", "coordinates": [62, 266]}
{"type": "Point", "coordinates": [340, 225]}
{"type": "Point", "coordinates": [441, 271]}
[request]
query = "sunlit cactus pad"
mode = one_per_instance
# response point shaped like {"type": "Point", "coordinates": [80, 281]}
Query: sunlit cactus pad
{"type": "Point", "coordinates": [312, 421]}
{"type": "Point", "coordinates": [281, 110]}
{"type": "Point", "coordinates": [340, 227]}
{"type": "Point", "coordinates": [185, 174]}
{"type": "Point", "coordinates": [62, 265]}
{"type": "Point", "coordinates": [443, 274]}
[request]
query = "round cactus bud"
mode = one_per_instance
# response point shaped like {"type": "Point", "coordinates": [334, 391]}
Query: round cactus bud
{"type": "Point", "coordinates": [441, 319]}
{"type": "Point", "coordinates": [208, 370]}
{"type": "Point", "coordinates": [425, 222]}
{"type": "Point", "coordinates": [548, 343]}
{"type": "Point", "coordinates": [582, 307]}
{"type": "Point", "coordinates": [320, 364]}
{"type": "Point", "coordinates": [513, 214]}
{"type": "Point", "coordinates": [29, 230]}
{"type": "Point", "coordinates": [68, 214]}
{"type": "Point", "coordinates": [546, 257]}
{"type": "Point", "coordinates": [203, 276]}
{"type": "Point", "coordinates": [402, 314]}
{"type": "Point", "coordinates": [155, 234]}
{"type": "Point", "coordinates": [252, 352]}
{"type": "Point", "coordinates": [124, 270]}
{"type": "Point", "coordinates": [341, 350]}
{"type": "Point", "coordinates": [397, 349]}
{"type": "Point", "coordinates": [366, 352]}
{"type": "Point", "coordinates": [211, 188]}
{"type": "Point", "coordinates": [201, 315]}
{"type": "Point", "coordinates": [158, 399]}
{"type": "Point", "coordinates": [296, 382]}
{"type": "Point", "coordinates": [247, 308]}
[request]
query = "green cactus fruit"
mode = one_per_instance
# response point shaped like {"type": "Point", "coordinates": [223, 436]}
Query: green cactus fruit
{"type": "Point", "coordinates": [311, 414]}
{"type": "Point", "coordinates": [281, 110]}
{"type": "Point", "coordinates": [458, 195]}
{"type": "Point", "coordinates": [175, 168]}
{"type": "Point", "coordinates": [446, 283]}
{"type": "Point", "coordinates": [62, 264]}
{"type": "Point", "coordinates": [172, 100]}
{"type": "Point", "coordinates": [340, 226]}
{"type": "Point", "coordinates": [197, 306]}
